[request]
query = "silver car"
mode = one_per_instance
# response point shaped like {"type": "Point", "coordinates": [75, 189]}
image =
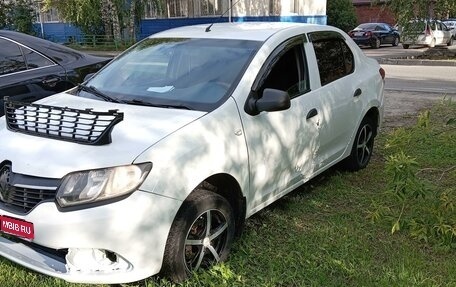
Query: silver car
{"type": "Point", "coordinates": [427, 33]}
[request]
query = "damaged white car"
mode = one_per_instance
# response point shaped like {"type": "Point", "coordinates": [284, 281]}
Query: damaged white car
{"type": "Point", "coordinates": [154, 163]}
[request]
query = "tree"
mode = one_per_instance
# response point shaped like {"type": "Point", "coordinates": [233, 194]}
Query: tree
{"type": "Point", "coordinates": [341, 14]}
{"type": "Point", "coordinates": [83, 13]}
{"type": "Point", "coordinates": [17, 15]}
{"type": "Point", "coordinates": [3, 15]}
{"type": "Point", "coordinates": [116, 19]}
{"type": "Point", "coordinates": [407, 10]}
{"type": "Point", "coordinates": [22, 16]}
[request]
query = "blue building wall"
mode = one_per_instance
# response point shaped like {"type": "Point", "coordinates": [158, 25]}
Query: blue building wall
{"type": "Point", "coordinates": [58, 32]}
{"type": "Point", "coordinates": [65, 33]}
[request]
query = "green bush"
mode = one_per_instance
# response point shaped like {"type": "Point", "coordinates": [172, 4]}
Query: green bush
{"type": "Point", "coordinates": [17, 15]}
{"type": "Point", "coordinates": [421, 179]}
{"type": "Point", "coordinates": [341, 14]}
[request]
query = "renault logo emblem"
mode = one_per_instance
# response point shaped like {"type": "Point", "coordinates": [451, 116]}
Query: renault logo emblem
{"type": "Point", "coordinates": [5, 176]}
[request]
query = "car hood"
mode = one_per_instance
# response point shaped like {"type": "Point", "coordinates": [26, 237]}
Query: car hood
{"type": "Point", "coordinates": [141, 127]}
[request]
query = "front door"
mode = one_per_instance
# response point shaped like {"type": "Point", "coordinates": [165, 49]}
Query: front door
{"type": "Point", "coordinates": [282, 145]}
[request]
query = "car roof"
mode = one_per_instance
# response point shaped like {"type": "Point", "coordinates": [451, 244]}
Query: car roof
{"type": "Point", "coordinates": [257, 31]}
{"type": "Point", "coordinates": [56, 52]}
{"type": "Point", "coordinates": [28, 40]}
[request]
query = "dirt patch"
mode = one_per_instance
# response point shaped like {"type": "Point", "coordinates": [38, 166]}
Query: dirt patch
{"type": "Point", "coordinates": [402, 108]}
{"type": "Point", "coordinates": [438, 53]}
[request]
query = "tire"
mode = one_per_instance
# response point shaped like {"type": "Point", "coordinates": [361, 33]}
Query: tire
{"type": "Point", "coordinates": [376, 43]}
{"type": "Point", "coordinates": [432, 45]}
{"type": "Point", "coordinates": [405, 46]}
{"type": "Point", "coordinates": [363, 146]}
{"type": "Point", "coordinates": [191, 245]}
{"type": "Point", "coordinates": [451, 42]}
{"type": "Point", "coordinates": [395, 41]}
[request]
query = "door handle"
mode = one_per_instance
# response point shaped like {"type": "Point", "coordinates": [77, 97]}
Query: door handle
{"type": "Point", "coordinates": [357, 93]}
{"type": "Point", "coordinates": [51, 81]}
{"type": "Point", "coordinates": [312, 113]}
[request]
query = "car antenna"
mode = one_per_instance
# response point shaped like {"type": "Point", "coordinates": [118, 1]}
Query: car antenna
{"type": "Point", "coordinates": [208, 29]}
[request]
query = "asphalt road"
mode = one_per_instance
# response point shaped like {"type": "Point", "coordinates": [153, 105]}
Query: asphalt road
{"type": "Point", "coordinates": [426, 79]}
{"type": "Point", "coordinates": [414, 78]}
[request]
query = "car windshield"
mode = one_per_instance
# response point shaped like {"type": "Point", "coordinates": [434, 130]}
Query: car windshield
{"type": "Point", "coordinates": [175, 72]}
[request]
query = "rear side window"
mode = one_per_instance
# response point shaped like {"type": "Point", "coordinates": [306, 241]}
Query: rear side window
{"type": "Point", "coordinates": [334, 58]}
{"type": "Point", "coordinates": [35, 60]}
{"type": "Point", "coordinates": [14, 58]}
{"type": "Point", "coordinates": [11, 59]}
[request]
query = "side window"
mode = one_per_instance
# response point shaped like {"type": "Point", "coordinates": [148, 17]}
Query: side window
{"type": "Point", "coordinates": [35, 60]}
{"type": "Point", "coordinates": [288, 72]}
{"type": "Point", "coordinates": [334, 58]}
{"type": "Point", "coordinates": [11, 59]}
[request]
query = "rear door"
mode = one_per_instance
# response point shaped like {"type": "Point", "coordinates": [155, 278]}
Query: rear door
{"type": "Point", "coordinates": [440, 35]}
{"type": "Point", "coordinates": [340, 95]}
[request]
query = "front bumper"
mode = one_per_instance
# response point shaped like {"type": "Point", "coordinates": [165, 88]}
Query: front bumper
{"type": "Point", "coordinates": [135, 229]}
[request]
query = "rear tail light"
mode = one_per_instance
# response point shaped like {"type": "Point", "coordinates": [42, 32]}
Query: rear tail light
{"type": "Point", "coordinates": [382, 73]}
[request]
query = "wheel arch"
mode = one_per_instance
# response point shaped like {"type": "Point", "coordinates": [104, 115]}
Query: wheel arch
{"type": "Point", "coordinates": [227, 186]}
{"type": "Point", "coordinates": [374, 114]}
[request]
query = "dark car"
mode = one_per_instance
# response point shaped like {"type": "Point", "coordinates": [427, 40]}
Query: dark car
{"type": "Point", "coordinates": [375, 34]}
{"type": "Point", "coordinates": [32, 68]}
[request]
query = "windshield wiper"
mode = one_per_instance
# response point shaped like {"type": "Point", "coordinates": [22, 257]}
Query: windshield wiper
{"type": "Point", "coordinates": [167, 106]}
{"type": "Point", "coordinates": [98, 93]}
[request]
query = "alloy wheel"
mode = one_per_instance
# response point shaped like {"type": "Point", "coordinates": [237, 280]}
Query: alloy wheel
{"type": "Point", "coordinates": [364, 145]}
{"type": "Point", "coordinates": [206, 240]}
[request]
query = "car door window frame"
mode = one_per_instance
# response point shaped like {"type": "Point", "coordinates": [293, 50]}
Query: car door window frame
{"type": "Point", "coordinates": [21, 47]}
{"type": "Point", "coordinates": [322, 36]}
{"type": "Point", "coordinates": [276, 55]}
{"type": "Point", "coordinates": [273, 58]}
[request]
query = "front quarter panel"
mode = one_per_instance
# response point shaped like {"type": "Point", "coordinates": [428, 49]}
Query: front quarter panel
{"type": "Point", "coordinates": [214, 144]}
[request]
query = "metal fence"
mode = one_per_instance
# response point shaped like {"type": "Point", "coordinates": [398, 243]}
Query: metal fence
{"type": "Point", "coordinates": [98, 42]}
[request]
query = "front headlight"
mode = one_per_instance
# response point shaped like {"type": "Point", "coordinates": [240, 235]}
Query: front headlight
{"type": "Point", "coordinates": [101, 184]}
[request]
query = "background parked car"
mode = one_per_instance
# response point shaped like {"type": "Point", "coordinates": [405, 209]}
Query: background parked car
{"type": "Point", "coordinates": [32, 68]}
{"type": "Point", "coordinates": [375, 35]}
{"type": "Point", "coordinates": [451, 24]}
{"type": "Point", "coordinates": [427, 33]}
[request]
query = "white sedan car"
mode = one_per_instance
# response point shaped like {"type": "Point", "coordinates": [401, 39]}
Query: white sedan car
{"type": "Point", "coordinates": [429, 33]}
{"type": "Point", "coordinates": [154, 163]}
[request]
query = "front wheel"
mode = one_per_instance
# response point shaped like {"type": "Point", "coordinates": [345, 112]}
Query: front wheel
{"type": "Point", "coordinates": [451, 42]}
{"type": "Point", "coordinates": [200, 236]}
{"type": "Point", "coordinates": [363, 146]}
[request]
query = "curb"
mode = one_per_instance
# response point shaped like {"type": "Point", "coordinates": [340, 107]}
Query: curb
{"type": "Point", "coordinates": [416, 62]}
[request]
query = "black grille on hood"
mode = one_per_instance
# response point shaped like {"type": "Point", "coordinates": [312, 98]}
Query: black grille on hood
{"type": "Point", "coordinates": [61, 123]}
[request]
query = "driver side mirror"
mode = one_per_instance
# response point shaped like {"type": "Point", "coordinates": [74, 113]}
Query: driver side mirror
{"type": "Point", "coordinates": [272, 100]}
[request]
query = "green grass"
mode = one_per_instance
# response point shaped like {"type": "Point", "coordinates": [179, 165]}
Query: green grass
{"type": "Point", "coordinates": [321, 235]}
